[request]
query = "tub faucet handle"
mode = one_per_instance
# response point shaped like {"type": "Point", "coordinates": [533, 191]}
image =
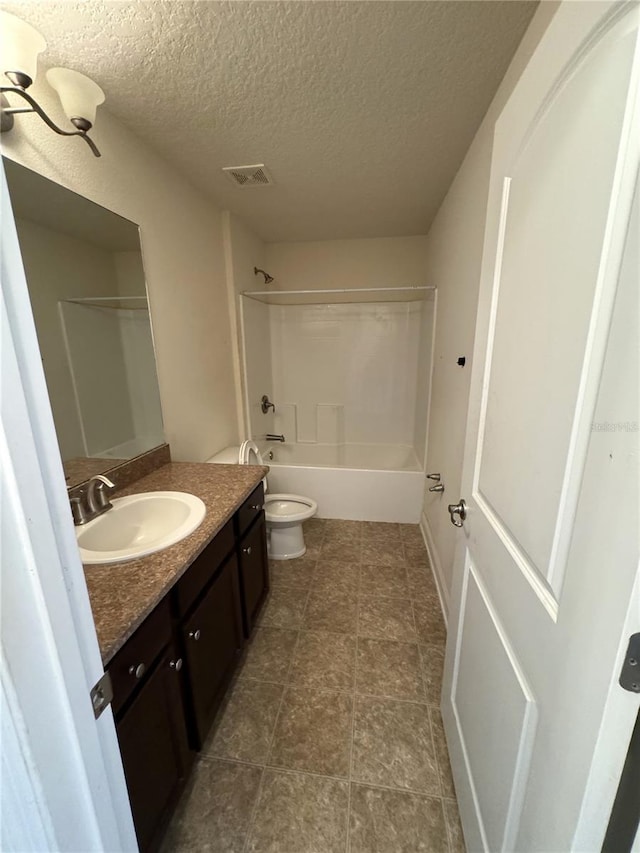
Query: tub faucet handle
{"type": "Point", "coordinates": [266, 404]}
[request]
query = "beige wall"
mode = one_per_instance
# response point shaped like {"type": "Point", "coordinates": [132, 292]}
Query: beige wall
{"type": "Point", "coordinates": [453, 258]}
{"type": "Point", "coordinates": [327, 264]}
{"type": "Point", "coordinates": [182, 245]}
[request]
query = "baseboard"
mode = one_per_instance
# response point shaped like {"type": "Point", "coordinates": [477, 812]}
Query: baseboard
{"type": "Point", "coordinates": [436, 566]}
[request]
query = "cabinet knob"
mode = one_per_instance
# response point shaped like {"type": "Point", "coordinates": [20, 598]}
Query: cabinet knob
{"type": "Point", "coordinates": [138, 670]}
{"type": "Point", "coordinates": [246, 550]}
{"type": "Point", "coordinates": [257, 507]}
{"type": "Point", "coordinates": [176, 664]}
{"type": "Point", "coordinates": [195, 635]}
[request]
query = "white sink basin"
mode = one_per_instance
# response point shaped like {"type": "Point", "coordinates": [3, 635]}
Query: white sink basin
{"type": "Point", "coordinates": [139, 525]}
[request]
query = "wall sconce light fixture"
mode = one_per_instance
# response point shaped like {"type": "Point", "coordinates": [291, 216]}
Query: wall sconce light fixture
{"type": "Point", "coordinates": [80, 97]}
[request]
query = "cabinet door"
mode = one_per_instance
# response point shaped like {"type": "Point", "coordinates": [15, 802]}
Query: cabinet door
{"type": "Point", "coordinates": [213, 640]}
{"type": "Point", "coordinates": [155, 753]}
{"type": "Point", "coordinates": [254, 573]}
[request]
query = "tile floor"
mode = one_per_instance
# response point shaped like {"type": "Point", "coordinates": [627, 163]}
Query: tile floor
{"type": "Point", "coordinates": [330, 739]}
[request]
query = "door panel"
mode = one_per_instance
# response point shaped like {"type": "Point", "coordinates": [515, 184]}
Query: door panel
{"type": "Point", "coordinates": [212, 638]}
{"type": "Point", "coordinates": [487, 667]}
{"type": "Point", "coordinates": [544, 289]}
{"type": "Point", "coordinates": [545, 565]}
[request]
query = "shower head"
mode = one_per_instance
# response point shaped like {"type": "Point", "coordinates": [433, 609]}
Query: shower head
{"type": "Point", "coordinates": [267, 278]}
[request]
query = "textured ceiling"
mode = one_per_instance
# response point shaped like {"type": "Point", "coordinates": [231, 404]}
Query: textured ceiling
{"type": "Point", "coordinates": [362, 111]}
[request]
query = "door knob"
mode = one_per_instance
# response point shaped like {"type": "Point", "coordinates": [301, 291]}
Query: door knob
{"type": "Point", "coordinates": [460, 510]}
{"type": "Point", "coordinates": [439, 487]}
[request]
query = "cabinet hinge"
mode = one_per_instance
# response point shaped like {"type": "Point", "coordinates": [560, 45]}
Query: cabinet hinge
{"type": "Point", "coordinates": [101, 694]}
{"type": "Point", "coordinates": [630, 674]}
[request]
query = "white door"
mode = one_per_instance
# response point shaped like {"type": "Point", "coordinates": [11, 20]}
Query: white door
{"type": "Point", "coordinates": [548, 554]}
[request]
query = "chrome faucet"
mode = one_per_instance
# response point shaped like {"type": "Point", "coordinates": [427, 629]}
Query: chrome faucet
{"type": "Point", "coordinates": [94, 502]}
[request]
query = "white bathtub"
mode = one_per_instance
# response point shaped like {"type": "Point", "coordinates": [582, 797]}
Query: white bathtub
{"type": "Point", "coordinates": [365, 482]}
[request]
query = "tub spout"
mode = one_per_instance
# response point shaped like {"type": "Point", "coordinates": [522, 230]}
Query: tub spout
{"type": "Point", "coordinates": [271, 437]}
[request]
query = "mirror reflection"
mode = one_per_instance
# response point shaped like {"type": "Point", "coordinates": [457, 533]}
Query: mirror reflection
{"type": "Point", "coordinates": [86, 283]}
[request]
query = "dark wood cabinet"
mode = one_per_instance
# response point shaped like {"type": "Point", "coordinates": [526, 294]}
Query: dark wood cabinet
{"type": "Point", "coordinates": [254, 573]}
{"type": "Point", "coordinates": [155, 752]}
{"type": "Point", "coordinates": [212, 641]}
{"type": "Point", "coordinates": [250, 510]}
{"type": "Point", "coordinates": [170, 677]}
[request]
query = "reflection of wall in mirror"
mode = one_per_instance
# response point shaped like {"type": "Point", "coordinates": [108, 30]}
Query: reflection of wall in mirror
{"type": "Point", "coordinates": [99, 364]}
{"type": "Point", "coordinates": [57, 267]}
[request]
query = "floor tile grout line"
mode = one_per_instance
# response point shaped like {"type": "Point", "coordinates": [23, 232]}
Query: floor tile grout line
{"type": "Point", "coordinates": [293, 771]}
{"type": "Point", "coordinates": [353, 722]}
{"type": "Point", "coordinates": [343, 691]}
{"type": "Point", "coordinates": [435, 752]}
{"type": "Point", "coordinates": [447, 828]}
{"type": "Point", "coordinates": [271, 742]}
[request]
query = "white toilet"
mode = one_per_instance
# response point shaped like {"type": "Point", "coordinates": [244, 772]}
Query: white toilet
{"type": "Point", "coordinates": [284, 513]}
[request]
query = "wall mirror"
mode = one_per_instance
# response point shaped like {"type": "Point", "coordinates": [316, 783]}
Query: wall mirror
{"type": "Point", "coordinates": [87, 288]}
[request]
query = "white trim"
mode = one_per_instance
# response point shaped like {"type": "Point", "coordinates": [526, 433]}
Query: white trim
{"type": "Point", "coordinates": [432, 356]}
{"type": "Point", "coordinates": [436, 566]}
{"type": "Point", "coordinates": [610, 752]}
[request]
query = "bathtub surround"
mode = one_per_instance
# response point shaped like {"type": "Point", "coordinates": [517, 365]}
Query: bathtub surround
{"type": "Point", "coordinates": [350, 397]}
{"type": "Point", "coordinates": [347, 374]}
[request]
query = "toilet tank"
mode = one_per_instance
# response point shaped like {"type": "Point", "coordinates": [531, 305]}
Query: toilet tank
{"type": "Point", "coordinates": [228, 456]}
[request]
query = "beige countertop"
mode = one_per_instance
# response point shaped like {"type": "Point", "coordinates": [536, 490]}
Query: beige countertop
{"type": "Point", "coordinates": [123, 594]}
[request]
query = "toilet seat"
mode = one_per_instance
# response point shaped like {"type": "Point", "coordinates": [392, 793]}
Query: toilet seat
{"type": "Point", "coordinates": [284, 513]}
{"type": "Point", "coordinates": [288, 508]}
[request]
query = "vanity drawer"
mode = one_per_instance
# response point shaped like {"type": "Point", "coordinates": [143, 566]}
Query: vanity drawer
{"type": "Point", "coordinates": [250, 509]}
{"type": "Point", "coordinates": [133, 662]}
{"type": "Point", "coordinates": [203, 568]}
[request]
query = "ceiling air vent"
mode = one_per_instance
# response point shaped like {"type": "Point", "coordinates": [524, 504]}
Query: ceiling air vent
{"type": "Point", "coordinates": [249, 176]}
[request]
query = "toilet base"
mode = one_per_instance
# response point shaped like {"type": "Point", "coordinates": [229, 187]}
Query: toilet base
{"type": "Point", "coordinates": [285, 541]}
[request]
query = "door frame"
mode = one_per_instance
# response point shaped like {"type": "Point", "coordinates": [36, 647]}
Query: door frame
{"type": "Point", "coordinates": [62, 779]}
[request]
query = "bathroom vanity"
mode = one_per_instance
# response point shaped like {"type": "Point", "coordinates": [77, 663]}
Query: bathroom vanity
{"type": "Point", "coordinates": [171, 628]}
